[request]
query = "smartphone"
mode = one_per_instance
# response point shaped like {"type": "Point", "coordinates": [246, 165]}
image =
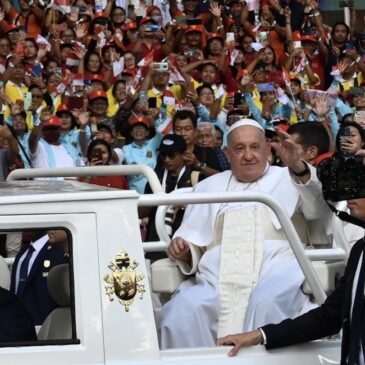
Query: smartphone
{"type": "Point", "coordinates": [75, 102]}
{"type": "Point", "coordinates": [98, 154]}
{"type": "Point", "coordinates": [346, 3]}
{"type": "Point", "coordinates": [152, 103]}
{"type": "Point", "coordinates": [1, 119]}
{"type": "Point", "coordinates": [297, 44]}
{"type": "Point", "coordinates": [27, 100]}
{"type": "Point", "coordinates": [160, 66]}
{"type": "Point", "coordinates": [192, 53]}
{"type": "Point", "coordinates": [130, 10]}
{"type": "Point", "coordinates": [239, 98]}
{"type": "Point", "coordinates": [94, 128]}
{"type": "Point", "coordinates": [151, 28]}
{"type": "Point", "coordinates": [194, 21]}
{"type": "Point", "coordinates": [82, 9]}
{"type": "Point", "coordinates": [230, 37]}
{"type": "Point", "coordinates": [37, 70]}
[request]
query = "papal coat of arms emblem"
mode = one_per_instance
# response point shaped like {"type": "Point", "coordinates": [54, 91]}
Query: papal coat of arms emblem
{"type": "Point", "coordinates": [124, 282]}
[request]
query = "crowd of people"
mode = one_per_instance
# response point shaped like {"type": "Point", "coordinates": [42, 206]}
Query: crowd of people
{"type": "Point", "coordinates": [190, 88]}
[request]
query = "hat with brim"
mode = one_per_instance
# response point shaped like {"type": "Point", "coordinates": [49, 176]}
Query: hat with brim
{"type": "Point", "coordinates": [62, 108]}
{"type": "Point", "coordinates": [194, 28]}
{"type": "Point", "coordinates": [172, 143]}
{"type": "Point", "coordinates": [108, 126]}
{"type": "Point", "coordinates": [139, 120]}
{"type": "Point", "coordinates": [97, 94]}
{"type": "Point", "coordinates": [52, 122]}
{"type": "Point", "coordinates": [212, 36]}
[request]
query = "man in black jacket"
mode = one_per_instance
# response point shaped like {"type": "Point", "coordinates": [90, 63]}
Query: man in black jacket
{"type": "Point", "coordinates": [337, 312]}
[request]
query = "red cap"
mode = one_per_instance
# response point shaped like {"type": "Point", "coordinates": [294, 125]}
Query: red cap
{"type": "Point", "coordinates": [147, 19]}
{"type": "Point", "coordinates": [308, 38]}
{"type": "Point", "coordinates": [53, 122]}
{"type": "Point", "coordinates": [96, 94]}
{"type": "Point", "coordinates": [129, 26]}
{"type": "Point", "coordinates": [11, 27]}
{"type": "Point", "coordinates": [296, 36]}
{"type": "Point", "coordinates": [194, 28]}
{"type": "Point", "coordinates": [214, 36]}
{"type": "Point", "coordinates": [62, 108]}
{"type": "Point", "coordinates": [101, 15]}
{"type": "Point", "coordinates": [140, 119]}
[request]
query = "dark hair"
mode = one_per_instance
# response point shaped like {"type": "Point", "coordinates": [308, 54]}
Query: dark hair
{"type": "Point", "coordinates": [312, 134]}
{"type": "Point", "coordinates": [340, 23]}
{"type": "Point", "coordinates": [204, 86]}
{"type": "Point", "coordinates": [32, 41]}
{"type": "Point", "coordinates": [116, 84]}
{"type": "Point", "coordinates": [349, 124]}
{"type": "Point", "coordinates": [34, 86]}
{"type": "Point", "coordinates": [273, 52]}
{"type": "Point", "coordinates": [204, 65]}
{"type": "Point", "coordinates": [87, 57]}
{"type": "Point", "coordinates": [97, 142]}
{"type": "Point", "coordinates": [184, 114]}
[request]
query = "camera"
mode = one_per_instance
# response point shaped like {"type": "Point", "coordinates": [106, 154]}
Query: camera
{"type": "Point", "coordinates": [343, 175]}
{"type": "Point", "coordinates": [151, 28]}
{"type": "Point", "coordinates": [160, 66]}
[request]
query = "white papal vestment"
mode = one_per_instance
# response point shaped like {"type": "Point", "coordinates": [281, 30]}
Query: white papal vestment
{"type": "Point", "coordinates": [197, 313]}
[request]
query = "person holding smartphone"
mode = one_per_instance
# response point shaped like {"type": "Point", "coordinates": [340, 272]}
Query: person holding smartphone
{"type": "Point", "coordinates": [99, 153]}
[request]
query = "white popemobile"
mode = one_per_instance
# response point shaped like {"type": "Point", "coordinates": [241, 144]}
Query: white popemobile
{"type": "Point", "coordinates": [108, 316]}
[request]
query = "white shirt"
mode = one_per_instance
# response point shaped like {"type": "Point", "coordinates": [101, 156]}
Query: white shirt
{"type": "Point", "coordinates": [62, 158]}
{"type": "Point", "coordinates": [37, 245]}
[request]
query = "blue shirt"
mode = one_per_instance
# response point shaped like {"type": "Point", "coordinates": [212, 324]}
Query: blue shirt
{"type": "Point", "coordinates": [141, 155]}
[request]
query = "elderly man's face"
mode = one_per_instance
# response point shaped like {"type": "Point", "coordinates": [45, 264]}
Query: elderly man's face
{"type": "Point", "coordinates": [205, 137]}
{"type": "Point", "coordinates": [248, 153]}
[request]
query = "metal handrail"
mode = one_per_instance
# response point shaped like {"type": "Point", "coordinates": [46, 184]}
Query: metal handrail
{"type": "Point", "coordinates": [115, 170]}
{"type": "Point", "coordinates": [227, 197]}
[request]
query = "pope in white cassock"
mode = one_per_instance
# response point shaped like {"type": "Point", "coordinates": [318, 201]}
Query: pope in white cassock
{"type": "Point", "coordinates": [246, 274]}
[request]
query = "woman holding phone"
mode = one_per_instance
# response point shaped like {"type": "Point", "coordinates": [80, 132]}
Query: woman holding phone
{"type": "Point", "coordinates": [99, 154]}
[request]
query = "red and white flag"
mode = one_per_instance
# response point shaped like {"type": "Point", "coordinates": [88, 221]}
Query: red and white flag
{"type": "Point", "coordinates": [63, 5]}
{"type": "Point", "coordinates": [72, 60]}
{"type": "Point", "coordinates": [78, 80]}
{"type": "Point", "coordinates": [43, 41]}
{"type": "Point", "coordinates": [144, 62]}
{"type": "Point", "coordinates": [286, 76]}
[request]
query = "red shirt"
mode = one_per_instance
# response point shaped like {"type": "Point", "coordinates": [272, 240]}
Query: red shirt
{"type": "Point", "coordinates": [117, 182]}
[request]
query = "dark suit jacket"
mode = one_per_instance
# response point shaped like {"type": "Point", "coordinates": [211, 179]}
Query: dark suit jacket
{"type": "Point", "coordinates": [325, 320]}
{"type": "Point", "coordinates": [35, 295]}
{"type": "Point", "coordinates": [15, 322]}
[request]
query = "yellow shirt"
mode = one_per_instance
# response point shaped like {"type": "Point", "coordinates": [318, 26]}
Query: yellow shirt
{"type": "Point", "coordinates": [15, 92]}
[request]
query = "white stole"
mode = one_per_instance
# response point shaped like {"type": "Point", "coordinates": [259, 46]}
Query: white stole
{"type": "Point", "coordinates": [241, 257]}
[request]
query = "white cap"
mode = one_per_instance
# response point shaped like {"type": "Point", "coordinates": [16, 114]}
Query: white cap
{"type": "Point", "coordinates": [244, 122]}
